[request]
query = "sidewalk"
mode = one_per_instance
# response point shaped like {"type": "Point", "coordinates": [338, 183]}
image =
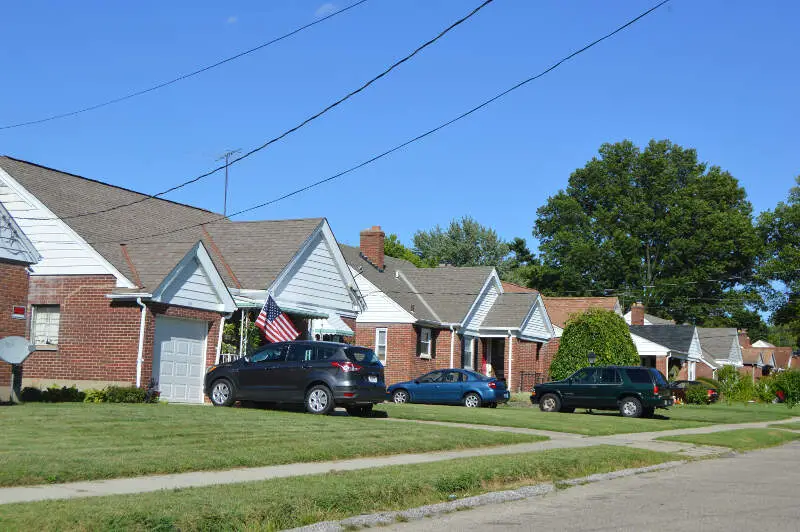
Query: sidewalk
{"type": "Point", "coordinates": [122, 486]}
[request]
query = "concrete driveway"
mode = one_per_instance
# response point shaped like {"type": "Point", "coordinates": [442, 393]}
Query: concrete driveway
{"type": "Point", "coordinates": [753, 491]}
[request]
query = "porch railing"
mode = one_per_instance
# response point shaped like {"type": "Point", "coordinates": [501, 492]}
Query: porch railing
{"type": "Point", "coordinates": [228, 357]}
{"type": "Point", "coordinates": [529, 379]}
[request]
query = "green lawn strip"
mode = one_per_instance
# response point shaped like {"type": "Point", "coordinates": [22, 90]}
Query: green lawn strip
{"type": "Point", "coordinates": [739, 440]}
{"type": "Point", "coordinates": [290, 502]}
{"type": "Point", "coordinates": [67, 442]}
{"type": "Point", "coordinates": [787, 426]}
{"type": "Point", "coordinates": [597, 424]}
{"type": "Point", "coordinates": [721, 413]}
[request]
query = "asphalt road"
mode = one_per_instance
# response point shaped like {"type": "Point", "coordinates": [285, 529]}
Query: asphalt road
{"type": "Point", "coordinates": [757, 491]}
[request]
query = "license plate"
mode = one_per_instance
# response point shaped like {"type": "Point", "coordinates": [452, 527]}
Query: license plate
{"type": "Point", "coordinates": [372, 378]}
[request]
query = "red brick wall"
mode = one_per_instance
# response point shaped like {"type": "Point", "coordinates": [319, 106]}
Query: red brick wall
{"type": "Point", "coordinates": [13, 292]}
{"type": "Point", "coordinates": [661, 365]}
{"type": "Point", "coordinates": [703, 370]}
{"type": "Point", "coordinates": [99, 338]}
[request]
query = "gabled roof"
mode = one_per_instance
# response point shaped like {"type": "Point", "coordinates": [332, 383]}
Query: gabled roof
{"type": "Point", "coordinates": [560, 309]}
{"type": "Point", "coordinates": [14, 243]}
{"type": "Point", "coordinates": [755, 356]}
{"type": "Point", "coordinates": [510, 309]}
{"type": "Point", "coordinates": [247, 255]}
{"type": "Point", "coordinates": [762, 343]}
{"type": "Point", "coordinates": [717, 342]}
{"type": "Point", "coordinates": [649, 319]}
{"type": "Point", "coordinates": [674, 337]}
{"type": "Point", "coordinates": [439, 295]}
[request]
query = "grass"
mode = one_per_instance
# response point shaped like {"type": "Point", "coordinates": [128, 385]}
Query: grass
{"type": "Point", "coordinates": [787, 426]}
{"type": "Point", "coordinates": [41, 443]}
{"type": "Point", "coordinates": [601, 423]}
{"type": "Point", "coordinates": [291, 502]}
{"type": "Point", "coordinates": [738, 440]}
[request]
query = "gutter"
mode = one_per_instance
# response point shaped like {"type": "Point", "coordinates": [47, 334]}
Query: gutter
{"type": "Point", "coordinates": [139, 358]}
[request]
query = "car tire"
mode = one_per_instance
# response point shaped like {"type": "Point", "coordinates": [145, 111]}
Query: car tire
{"type": "Point", "coordinates": [567, 409]}
{"type": "Point", "coordinates": [319, 400]}
{"type": "Point", "coordinates": [400, 397]}
{"type": "Point", "coordinates": [550, 403]}
{"type": "Point", "coordinates": [630, 407]}
{"type": "Point", "coordinates": [221, 393]}
{"type": "Point", "coordinates": [492, 405]}
{"type": "Point", "coordinates": [648, 412]}
{"type": "Point", "coordinates": [472, 400]}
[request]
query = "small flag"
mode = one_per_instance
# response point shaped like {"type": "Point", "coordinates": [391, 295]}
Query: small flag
{"type": "Point", "coordinates": [275, 324]}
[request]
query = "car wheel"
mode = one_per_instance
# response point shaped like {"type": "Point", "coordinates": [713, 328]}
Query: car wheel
{"type": "Point", "coordinates": [492, 405]}
{"type": "Point", "coordinates": [472, 400]}
{"type": "Point", "coordinates": [550, 403]}
{"type": "Point", "coordinates": [630, 407]}
{"type": "Point", "coordinates": [319, 400]}
{"type": "Point", "coordinates": [221, 393]}
{"type": "Point", "coordinates": [648, 412]}
{"type": "Point", "coordinates": [400, 397]}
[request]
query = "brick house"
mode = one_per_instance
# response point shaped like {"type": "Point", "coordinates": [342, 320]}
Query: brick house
{"type": "Point", "coordinates": [131, 288]}
{"type": "Point", "coordinates": [17, 254]}
{"type": "Point", "coordinates": [422, 319]}
{"type": "Point", "coordinates": [761, 358]}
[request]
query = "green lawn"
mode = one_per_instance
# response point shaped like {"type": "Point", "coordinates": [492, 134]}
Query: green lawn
{"type": "Point", "coordinates": [787, 426]}
{"type": "Point", "coordinates": [42, 443]}
{"type": "Point", "coordinates": [291, 502]}
{"type": "Point", "coordinates": [598, 424]}
{"type": "Point", "coordinates": [739, 440]}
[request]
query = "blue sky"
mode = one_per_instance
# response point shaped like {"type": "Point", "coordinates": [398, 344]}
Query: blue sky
{"type": "Point", "coordinates": [719, 76]}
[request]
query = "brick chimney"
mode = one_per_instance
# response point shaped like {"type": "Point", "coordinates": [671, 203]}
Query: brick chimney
{"type": "Point", "coordinates": [637, 313]}
{"type": "Point", "coordinates": [372, 245]}
{"type": "Point", "coordinates": [744, 338]}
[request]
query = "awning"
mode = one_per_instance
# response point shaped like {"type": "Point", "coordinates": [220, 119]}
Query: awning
{"type": "Point", "coordinates": [333, 324]}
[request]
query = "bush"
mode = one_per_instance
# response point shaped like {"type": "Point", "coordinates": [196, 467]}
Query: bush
{"type": "Point", "coordinates": [697, 395]}
{"type": "Point", "coordinates": [54, 394]}
{"type": "Point", "coordinates": [601, 331]}
{"type": "Point", "coordinates": [764, 389]}
{"type": "Point", "coordinates": [95, 396]}
{"type": "Point", "coordinates": [30, 395]}
{"type": "Point", "coordinates": [125, 394]}
{"type": "Point", "coordinates": [728, 377]}
{"type": "Point", "coordinates": [709, 381]}
{"type": "Point", "coordinates": [788, 382]}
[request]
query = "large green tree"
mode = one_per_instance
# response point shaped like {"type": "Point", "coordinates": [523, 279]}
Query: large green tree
{"type": "Point", "coordinates": [465, 242]}
{"type": "Point", "coordinates": [652, 224]}
{"type": "Point", "coordinates": [780, 262]}
{"type": "Point", "coordinates": [392, 247]}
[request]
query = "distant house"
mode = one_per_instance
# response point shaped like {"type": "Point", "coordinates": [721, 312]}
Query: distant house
{"type": "Point", "coordinates": [762, 359]}
{"type": "Point", "coordinates": [672, 349]}
{"type": "Point", "coordinates": [17, 254]}
{"type": "Point", "coordinates": [131, 288]}
{"type": "Point", "coordinates": [422, 319]}
{"type": "Point", "coordinates": [721, 345]}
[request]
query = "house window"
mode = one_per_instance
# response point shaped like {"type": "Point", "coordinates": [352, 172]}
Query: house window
{"type": "Point", "coordinates": [44, 325]}
{"type": "Point", "coordinates": [381, 340]}
{"type": "Point", "coordinates": [425, 343]}
{"type": "Point", "coordinates": [466, 356]}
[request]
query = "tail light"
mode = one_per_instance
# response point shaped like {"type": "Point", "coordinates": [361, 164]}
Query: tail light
{"type": "Point", "coordinates": [347, 366]}
{"type": "Point", "coordinates": [493, 385]}
{"type": "Point", "coordinates": [655, 389]}
{"type": "Point", "coordinates": [710, 392]}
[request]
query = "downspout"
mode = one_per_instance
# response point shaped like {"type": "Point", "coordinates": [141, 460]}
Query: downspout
{"type": "Point", "coordinates": [510, 361]}
{"type": "Point", "coordinates": [452, 345]}
{"type": "Point", "coordinates": [219, 340]}
{"type": "Point", "coordinates": [667, 366]}
{"type": "Point", "coordinates": [139, 357]}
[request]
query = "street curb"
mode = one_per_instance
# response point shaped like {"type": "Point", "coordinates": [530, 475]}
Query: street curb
{"type": "Point", "coordinates": [494, 497]}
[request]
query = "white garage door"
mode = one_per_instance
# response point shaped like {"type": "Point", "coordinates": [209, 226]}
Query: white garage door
{"type": "Point", "coordinates": [179, 359]}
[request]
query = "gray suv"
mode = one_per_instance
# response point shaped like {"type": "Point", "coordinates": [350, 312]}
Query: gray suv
{"type": "Point", "coordinates": [320, 375]}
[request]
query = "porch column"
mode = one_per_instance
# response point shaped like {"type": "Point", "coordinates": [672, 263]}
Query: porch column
{"type": "Point", "coordinates": [452, 345]}
{"type": "Point", "coordinates": [510, 362]}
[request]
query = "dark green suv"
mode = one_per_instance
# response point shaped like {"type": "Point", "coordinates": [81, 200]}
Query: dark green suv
{"type": "Point", "coordinates": [634, 391]}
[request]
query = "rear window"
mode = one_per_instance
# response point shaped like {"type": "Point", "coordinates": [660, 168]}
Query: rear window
{"type": "Point", "coordinates": [639, 376]}
{"type": "Point", "coordinates": [471, 375]}
{"type": "Point", "coordinates": [658, 377]}
{"type": "Point", "coordinates": [362, 355]}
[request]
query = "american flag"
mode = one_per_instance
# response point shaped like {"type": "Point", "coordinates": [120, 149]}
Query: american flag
{"type": "Point", "coordinates": [275, 324]}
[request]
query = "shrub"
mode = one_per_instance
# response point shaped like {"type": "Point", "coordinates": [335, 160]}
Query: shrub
{"type": "Point", "coordinates": [744, 390]}
{"type": "Point", "coordinates": [30, 395]}
{"type": "Point", "coordinates": [54, 394]}
{"type": "Point", "coordinates": [709, 381]}
{"type": "Point", "coordinates": [728, 377]}
{"type": "Point", "coordinates": [95, 396]}
{"type": "Point", "coordinates": [697, 395]}
{"type": "Point", "coordinates": [601, 331]}
{"type": "Point", "coordinates": [125, 394]}
{"type": "Point", "coordinates": [788, 382]}
{"type": "Point", "coordinates": [764, 389]}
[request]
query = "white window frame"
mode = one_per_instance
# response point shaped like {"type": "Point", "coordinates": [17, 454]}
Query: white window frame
{"type": "Point", "coordinates": [469, 354]}
{"type": "Point", "coordinates": [385, 344]}
{"type": "Point", "coordinates": [37, 312]}
{"type": "Point", "coordinates": [425, 353]}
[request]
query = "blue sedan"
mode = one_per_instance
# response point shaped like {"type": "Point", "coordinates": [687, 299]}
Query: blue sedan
{"type": "Point", "coordinates": [451, 387]}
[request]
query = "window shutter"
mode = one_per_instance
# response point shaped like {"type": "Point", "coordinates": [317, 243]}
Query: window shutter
{"type": "Point", "coordinates": [419, 340]}
{"type": "Point", "coordinates": [434, 336]}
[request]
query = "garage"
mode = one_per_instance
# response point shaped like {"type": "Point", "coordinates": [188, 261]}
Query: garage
{"type": "Point", "coordinates": [179, 359]}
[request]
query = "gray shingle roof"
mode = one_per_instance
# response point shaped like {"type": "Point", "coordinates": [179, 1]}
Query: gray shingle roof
{"type": "Point", "coordinates": [510, 309]}
{"type": "Point", "coordinates": [449, 291]}
{"type": "Point", "coordinates": [255, 251]}
{"type": "Point", "coordinates": [717, 342]}
{"type": "Point", "coordinates": [655, 320]}
{"type": "Point", "coordinates": [674, 337]}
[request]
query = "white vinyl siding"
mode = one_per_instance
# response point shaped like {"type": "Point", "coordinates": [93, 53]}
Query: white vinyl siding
{"type": "Point", "coordinates": [381, 343]}
{"type": "Point", "coordinates": [536, 327]}
{"type": "Point", "coordinates": [425, 343]}
{"type": "Point", "coordinates": [380, 308]}
{"type": "Point", "coordinates": [488, 298]}
{"type": "Point", "coordinates": [192, 289]}
{"type": "Point", "coordinates": [44, 325]}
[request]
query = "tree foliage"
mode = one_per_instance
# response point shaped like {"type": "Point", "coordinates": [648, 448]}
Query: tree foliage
{"type": "Point", "coordinates": [464, 243]}
{"type": "Point", "coordinates": [392, 247]}
{"type": "Point", "coordinates": [780, 262]}
{"type": "Point", "coordinates": [598, 330]}
{"type": "Point", "coordinates": [671, 230]}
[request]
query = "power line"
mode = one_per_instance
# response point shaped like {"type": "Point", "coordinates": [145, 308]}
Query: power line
{"type": "Point", "coordinates": [301, 124]}
{"type": "Point", "coordinates": [183, 76]}
{"type": "Point", "coordinates": [408, 142]}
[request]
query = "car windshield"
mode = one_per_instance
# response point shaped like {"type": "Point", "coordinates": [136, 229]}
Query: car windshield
{"type": "Point", "coordinates": [362, 355]}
